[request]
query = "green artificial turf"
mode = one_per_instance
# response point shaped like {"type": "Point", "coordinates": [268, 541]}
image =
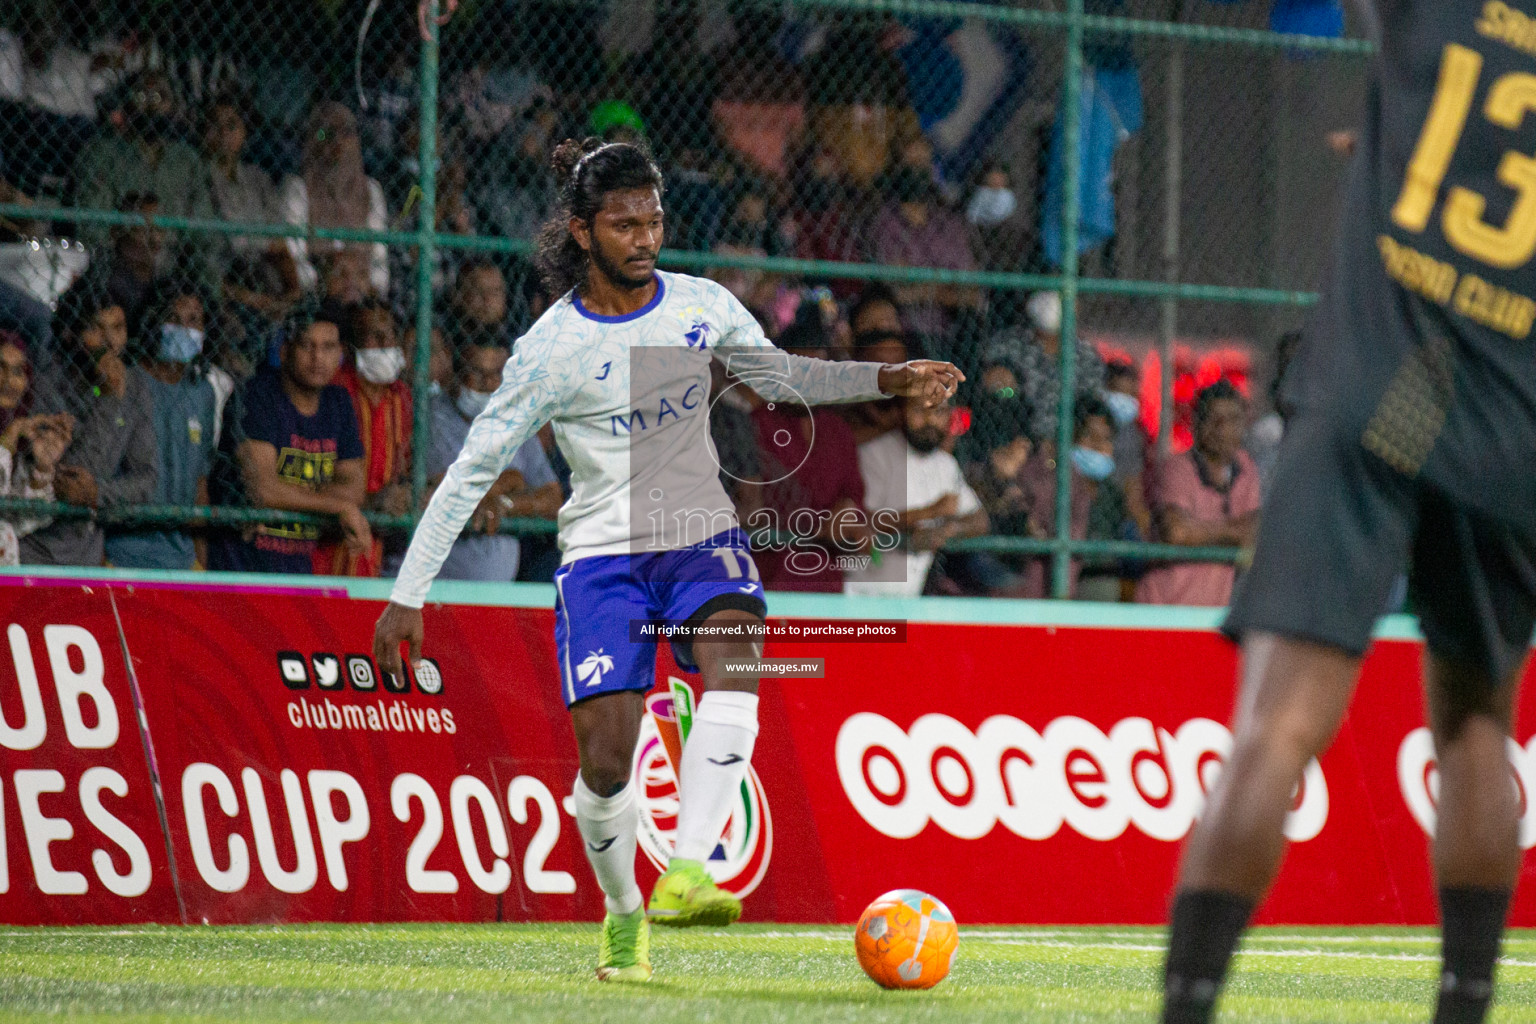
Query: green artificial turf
{"type": "Point", "coordinates": [747, 975]}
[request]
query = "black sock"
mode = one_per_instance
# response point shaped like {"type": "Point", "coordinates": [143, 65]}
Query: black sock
{"type": "Point", "coordinates": [1202, 938]}
{"type": "Point", "coordinates": [1472, 925]}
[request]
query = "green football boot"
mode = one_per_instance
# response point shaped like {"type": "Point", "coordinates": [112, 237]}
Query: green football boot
{"type": "Point", "coordinates": [686, 896]}
{"type": "Point", "coordinates": [625, 952]}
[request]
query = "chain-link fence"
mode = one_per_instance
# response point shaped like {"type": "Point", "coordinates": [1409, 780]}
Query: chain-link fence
{"type": "Point", "coordinates": [210, 210]}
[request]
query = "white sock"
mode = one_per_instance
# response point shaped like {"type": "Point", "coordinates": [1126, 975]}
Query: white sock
{"type": "Point", "coordinates": [607, 825]}
{"type": "Point", "coordinates": [715, 760]}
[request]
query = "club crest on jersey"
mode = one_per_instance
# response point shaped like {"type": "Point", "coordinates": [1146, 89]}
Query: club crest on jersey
{"type": "Point", "coordinates": [740, 857]}
{"type": "Point", "coordinates": [698, 335]}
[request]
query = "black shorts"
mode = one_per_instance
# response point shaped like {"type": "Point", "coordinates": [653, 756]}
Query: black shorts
{"type": "Point", "coordinates": [1338, 529]}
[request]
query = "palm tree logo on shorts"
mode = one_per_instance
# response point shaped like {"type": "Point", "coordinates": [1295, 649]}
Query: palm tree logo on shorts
{"type": "Point", "coordinates": [592, 667]}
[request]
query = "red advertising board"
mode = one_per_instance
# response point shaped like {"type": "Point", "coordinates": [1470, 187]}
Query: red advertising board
{"type": "Point", "coordinates": [80, 840]}
{"type": "Point", "coordinates": [1031, 774]}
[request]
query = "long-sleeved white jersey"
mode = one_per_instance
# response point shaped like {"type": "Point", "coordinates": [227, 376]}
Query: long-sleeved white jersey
{"type": "Point", "coordinates": [629, 398]}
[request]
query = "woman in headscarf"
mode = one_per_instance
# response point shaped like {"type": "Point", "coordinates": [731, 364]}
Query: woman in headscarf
{"type": "Point", "coordinates": [30, 446]}
{"type": "Point", "coordinates": [334, 192]}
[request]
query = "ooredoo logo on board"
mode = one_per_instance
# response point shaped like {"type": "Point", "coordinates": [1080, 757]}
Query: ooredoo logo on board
{"type": "Point", "coordinates": [1069, 773]}
{"type": "Point", "coordinates": [1419, 778]}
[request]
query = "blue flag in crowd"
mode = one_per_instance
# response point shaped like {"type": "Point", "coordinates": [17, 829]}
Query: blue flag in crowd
{"type": "Point", "coordinates": [1111, 113]}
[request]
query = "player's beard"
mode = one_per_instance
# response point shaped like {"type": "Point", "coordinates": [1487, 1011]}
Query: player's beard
{"type": "Point", "coordinates": [616, 272]}
{"type": "Point", "coordinates": [924, 439]}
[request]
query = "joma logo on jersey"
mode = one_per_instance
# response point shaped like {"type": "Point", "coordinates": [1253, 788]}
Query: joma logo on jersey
{"type": "Point", "coordinates": [637, 421]}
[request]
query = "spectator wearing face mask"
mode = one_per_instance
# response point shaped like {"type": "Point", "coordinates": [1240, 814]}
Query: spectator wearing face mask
{"type": "Point", "coordinates": [1207, 496]}
{"type": "Point", "coordinates": [908, 472]}
{"type": "Point", "coordinates": [992, 211]}
{"type": "Point", "coordinates": [527, 489]}
{"type": "Point", "coordinates": [173, 371]}
{"type": "Point", "coordinates": [1121, 397]}
{"type": "Point", "coordinates": [1033, 357]}
{"type": "Point", "coordinates": [993, 200]}
{"type": "Point", "coordinates": [381, 401]}
{"type": "Point", "coordinates": [1097, 507]}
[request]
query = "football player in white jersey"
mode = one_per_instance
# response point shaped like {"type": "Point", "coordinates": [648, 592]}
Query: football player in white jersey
{"type": "Point", "coordinates": [620, 365]}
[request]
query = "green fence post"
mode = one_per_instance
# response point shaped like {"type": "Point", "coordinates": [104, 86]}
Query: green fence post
{"type": "Point", "coordinates": [1072, 96]}
{"type": "Point", "coordinates": [426, 256]}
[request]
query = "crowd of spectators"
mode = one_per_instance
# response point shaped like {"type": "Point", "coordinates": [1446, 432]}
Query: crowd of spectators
{"type": "Point", "coordinates": [985, 464]}
{"type": "Point", "coordinates": [187, 368]}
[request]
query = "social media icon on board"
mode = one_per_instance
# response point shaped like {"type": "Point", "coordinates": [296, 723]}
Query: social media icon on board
{"type": "Point", "coordinates": [295, 673]}
{"type": "Point", "coordinates": [429, 678]}
{"type": "Point", "coordinates": [327, 670]}
{"type": "Point", "coordinates": [360, 672]}
{"type": "Point", "coordinates": [394, 683]}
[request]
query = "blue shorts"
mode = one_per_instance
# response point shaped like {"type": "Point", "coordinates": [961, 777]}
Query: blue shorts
{"type": "Point", "coordinates": [597, 598]}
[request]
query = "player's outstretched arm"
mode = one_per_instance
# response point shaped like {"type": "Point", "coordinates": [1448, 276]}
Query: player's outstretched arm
{"type": "Point", "coordinates": [780, 377]}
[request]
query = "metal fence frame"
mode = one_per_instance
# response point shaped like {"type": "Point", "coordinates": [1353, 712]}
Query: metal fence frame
{"type": "Point", "coordinates": [1074, 22]}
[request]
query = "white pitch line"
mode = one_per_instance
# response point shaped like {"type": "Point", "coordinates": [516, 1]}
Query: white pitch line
{"type": "Point", "coordinates": [1015, 939]}
{"type": "Point", "coordinates": [1004, 936]}
{"type": "Point", "coordinates": [1328, 954]}
{"type": "Point", "coordinates": [1253, 936]}
{"type": "Point", "coordinates": [66, 930]}
{"type": "Point", "coordinates": [988, 933]}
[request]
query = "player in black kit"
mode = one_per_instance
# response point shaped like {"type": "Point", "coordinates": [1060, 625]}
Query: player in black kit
{"type": "Point", "coordinates": [1411, 446]}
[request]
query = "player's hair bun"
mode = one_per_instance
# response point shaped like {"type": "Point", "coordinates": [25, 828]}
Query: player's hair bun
{"type": "Point", "coordinates": [568, 154]}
